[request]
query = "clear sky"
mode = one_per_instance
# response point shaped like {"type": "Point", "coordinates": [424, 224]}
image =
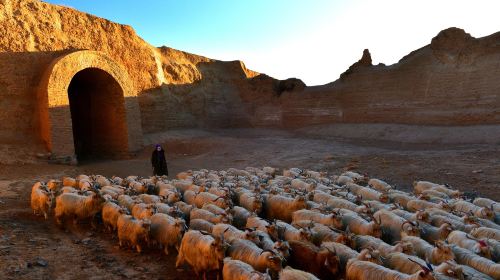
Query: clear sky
{"type": "Point", "coordinates": [314, 40]}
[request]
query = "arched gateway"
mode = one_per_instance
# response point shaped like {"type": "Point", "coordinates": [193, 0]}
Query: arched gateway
{"type": "Point", "coordinates": [88, 108]}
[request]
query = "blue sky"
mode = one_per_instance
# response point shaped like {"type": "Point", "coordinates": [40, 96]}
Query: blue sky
{"type": "Point", "coordinates": [311, 40]}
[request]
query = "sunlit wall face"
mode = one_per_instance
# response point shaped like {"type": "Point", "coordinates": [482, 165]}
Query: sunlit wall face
{"type": "Point", "coordinates": [312, 40]}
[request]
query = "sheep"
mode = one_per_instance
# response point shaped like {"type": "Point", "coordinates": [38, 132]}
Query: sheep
{"type": "Point", "coordinates": [230, 232]}
{"type": "Point", "coordinates": [209, 216]}
{"type": "Point", "coordinates": [343, 180]}
{"type": "Point", "coordinates": [281, 207]}
{"type": "Point", "coordinates": [355, 176]}
{"type": "Point", "coordinates": [260, 260]}
{"type": "Point", "coordinates": [334, 219]}
{"type": "Point", "coordinates": [240, 216]}
{"type": "Point", "coordinates": [238, 270]}
{"type": "Point", "coordinates": [394, 227]}
{"type": "Point", "coordinates": [488, 203]}
{"type": "Point", "coordinates": [41, 200]}
{"type": "Point", "coordinates": [282, 248]}
{"type": "Point", "coordinates": [418, 204]}
{"type": "Point", "coordinates": [420, 186]}
{"type": "Point", "coordinates": [149, 199]}
{"type": "Point", "coordinates": [68, 190]}
{"type": "Point", "coordinates": [365, 241]}
{"type": "Point", "coordinates": [379, 185]}
{"type": "Point", "coordinates": [205, 197]}
{"type": "Point", "coordinates": [300, 185]}
{"type": "Point", "coordinates": [142, 210]}
{"type": "Point", "coordinates": [288, 232]}
{"type": "Point", "coordinates": [322, 233]}
{"type": "Point", "coordinates": [432, 234]}
{"type": "Point", "coordinates": [69, 205]}
{"type": "Point", "coordinates": [377, 205]}
{"type": "Point", "coordinates": [172, 211]}
{"type": "Point", "coordinates": [54, 186]}
{"type": "Point", "coordinates": [467, 207]}
{"type": "Point", "coordinates": [463, 240]}
{"type": "Point", "coordinates": [294, 274]}
{"type": "Point", "coordinates": [484, 232]}
{"type": "Point", "coordinates": [167, 231]}
{"type": "Point", "coordinates": [426, 251]}
{"type": "Point", "coordinates": [400, 198]}
{"type": "Point", "coordinates": [133, 232]}
{"type": "Point", "coordinates": [358, 225]}
{"type": "Point", "coordinates": [485, 223]}
{"type": "Point", "coordinates": [203, 253]}
{"type": "Point", "coordinates": [138, 187]}
{"type": "Point", "coordinates": [110, 214]}
{"type": "Point", "coordinates": [414, 217]}
{"type": "Point", "coordinates": [404, 263]}
{"type": "Point", "coordinates": [215, 209]}
{"type": "Point", "coordinates": [367, 193]}
{"type": "Point", "coordinates": [484, 265]}
{"type": "Point", "coordinates": [345, 253]}
{"type": "Point", "coordinates": [251, 202]}
{"type": "Point", "coordinates": [102, 181]}
{"type": "Point", "coordinates": [362, 270]}
{"type": "Point", "coordinates": [263, 225]}
{"type": "Point", "coordinates": [69, 182]}
{"type": "Point", "coordinates": [184, 208]}
{"type": "Point", "coordinates": [319, 261]}
{"type": "Point", "coordinates": [201, 225]}
{"type": "Point", "coordinates": [495, 249]}
{"type": "Point", "coordinates": [112, 191]}
{"type": "Point", "coordinates": [126, 201]}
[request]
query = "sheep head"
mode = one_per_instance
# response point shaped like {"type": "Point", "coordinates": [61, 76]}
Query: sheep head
{"type": "Point", "coordinates": [273, 261]}
{"type": "Point", "coordinates": [332, 261]}
{"type": "Point", "coordinates": [421, 215]}
{"type": "Point", "coordinates": [283, 248]}
{"type": "Point", "coordinates": [410, 228]}
{"type": "Point", "coordinates": [442, 252]}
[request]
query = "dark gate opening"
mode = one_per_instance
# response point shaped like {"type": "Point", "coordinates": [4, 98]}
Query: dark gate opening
{"type": "Point", "coordinates": [98, 115]}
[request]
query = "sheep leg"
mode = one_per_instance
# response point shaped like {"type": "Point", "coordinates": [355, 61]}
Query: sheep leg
{"type": "Point", "coordinates": [166, 249]}
{"type": "Point", "coordinates": [45, 215]}
{"type": "Point", "coordinates": [138, 247]}
{"type": "Point", "coordinates": [180, 261]}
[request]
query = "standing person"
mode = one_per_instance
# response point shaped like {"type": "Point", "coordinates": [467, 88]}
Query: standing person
{"type": "Point", "coordinates": [159, 162]}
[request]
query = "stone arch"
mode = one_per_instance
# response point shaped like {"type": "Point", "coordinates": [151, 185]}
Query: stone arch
{"type": "Point", "coordinates": [56, 123]}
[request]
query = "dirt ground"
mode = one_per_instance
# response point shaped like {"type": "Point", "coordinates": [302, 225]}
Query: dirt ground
{"type": "Point", "coordinates": [32, 248]}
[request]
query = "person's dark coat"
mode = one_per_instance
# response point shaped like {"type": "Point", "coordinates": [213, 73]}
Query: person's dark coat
{"type": "Point", "coordinates": [159, 163]}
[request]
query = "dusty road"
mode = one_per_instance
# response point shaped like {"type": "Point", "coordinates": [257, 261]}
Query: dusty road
{"type": "Point", "coordinates": [31, 248]}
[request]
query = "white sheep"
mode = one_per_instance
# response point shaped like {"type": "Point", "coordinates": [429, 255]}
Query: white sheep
{"type": "Point", "coordinates": [167, 231]}
{"type": "Point", "coordinates": [238, 270]}
{"type": "Point", "coordinates": [133, 232]}
{"type": "Point", "coordinates": [41, 199]}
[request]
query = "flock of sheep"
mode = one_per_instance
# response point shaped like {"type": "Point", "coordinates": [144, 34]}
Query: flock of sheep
{"type": "Point", "coordinates": [299, 224]}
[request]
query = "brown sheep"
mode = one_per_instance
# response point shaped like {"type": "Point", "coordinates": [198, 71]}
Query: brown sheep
{"type": "Point", "coordinates": [203, 253]}
{"type": "Point", "coordinates": [238, 270]}
{"type": "Point", "coordinates": [319, 261]}
{"type": "Point", "coordinates": [110, 214]}
{"type": "Point", "coordinates": [77, 207]}
{"type": "Point", "coordinates": [281, 207]}
{"type": "Point", "coordinates": [259, 259]}
{"type": "Point", "coordinates": [133, 232]}
{"type": "Point", "coordinates": [42, 199]}
{"type": "Point", "coordinates": [332, 219]}
{"type": "Point", "coordinates": [167, 231]}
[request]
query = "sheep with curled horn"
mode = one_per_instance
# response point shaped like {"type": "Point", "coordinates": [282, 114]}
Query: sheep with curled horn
{"type": "Point", "coordinates": [362, 270]}
{"type": "Point", "coordinates": [433, 234]}
{"type": "Point", "coordinates": [394, 227]}
{"type": "Point", "coordinates": [433, 254]}
{"type": "Point", "coordinates": [345, 253]}
{"type": "Point", "coordinates": [480, 212]}
{"type": "Point", "coordinates": [464, 240]}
